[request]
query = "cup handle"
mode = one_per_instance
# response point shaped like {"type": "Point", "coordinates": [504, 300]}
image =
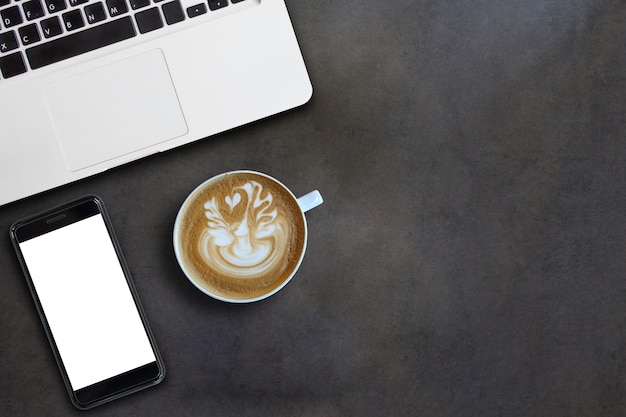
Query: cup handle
{"type": "Point", "coordinates": [310, 200]}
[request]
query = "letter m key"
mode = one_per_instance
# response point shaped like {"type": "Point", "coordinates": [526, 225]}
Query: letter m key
{"type": "Point", "coordinates": [116, 7]}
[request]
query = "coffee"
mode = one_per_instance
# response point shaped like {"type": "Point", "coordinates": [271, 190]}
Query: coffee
{"type": "Point", "coordinates": [240, 235]}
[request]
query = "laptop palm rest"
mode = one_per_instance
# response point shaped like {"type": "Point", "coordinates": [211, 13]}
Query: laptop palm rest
{"type": "Point", "coordinates": [115, 110]}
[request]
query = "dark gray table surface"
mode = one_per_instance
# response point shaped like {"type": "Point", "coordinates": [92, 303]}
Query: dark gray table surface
{"type": "Point", "coordinates": [469, 259]}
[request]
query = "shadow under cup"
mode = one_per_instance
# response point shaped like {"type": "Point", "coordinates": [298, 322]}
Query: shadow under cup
{"type": "Point", "coordinates": [241, 236]}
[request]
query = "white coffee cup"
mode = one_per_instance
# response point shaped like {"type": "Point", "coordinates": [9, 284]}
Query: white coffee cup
{"type": "Point", "coordinates": [241, 236]}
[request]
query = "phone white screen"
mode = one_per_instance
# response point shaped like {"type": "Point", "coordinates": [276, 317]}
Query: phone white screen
{"type": "Point", "coordinates": [87, 302]}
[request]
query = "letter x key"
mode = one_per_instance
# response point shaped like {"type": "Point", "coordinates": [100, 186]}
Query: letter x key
{"type": "Point", "coordinates": [8, 41]}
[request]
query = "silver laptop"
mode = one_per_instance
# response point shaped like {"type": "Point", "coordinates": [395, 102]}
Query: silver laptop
{"type": "Point", "coordinates": [86, 85]}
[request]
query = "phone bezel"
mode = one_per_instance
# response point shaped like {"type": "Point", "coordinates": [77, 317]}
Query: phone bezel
{"type": "Point", "coordinates": [119, 385]}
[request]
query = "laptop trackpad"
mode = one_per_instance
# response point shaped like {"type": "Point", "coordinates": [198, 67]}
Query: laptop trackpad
{"type": "Point", "coordinates": [115, 110]}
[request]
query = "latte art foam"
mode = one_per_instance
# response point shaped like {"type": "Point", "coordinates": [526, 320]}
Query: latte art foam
{"type": "Point", "coordinates": [240, 235]}
{"type": "Point", "coordinates": [245, 234]}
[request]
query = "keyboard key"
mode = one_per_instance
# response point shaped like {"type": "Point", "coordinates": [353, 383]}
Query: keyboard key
{"type": "Point", "coordinates": [75, 3]}
{"type": "Point", "coordinates": [73, 20]}
{"type": "Point", "coordinates": [8, 42]}
{"type": "Point", "coordinates": [197, 10]}
{"type": "Point", "coordinates": [217, 4]}
{"type": "Point", "coordinates": [116, 7]}
{"type": "Point", "coordinates": [32, 9]}
{"type": "Point", "coordinates": [173, 12]}
{"type": "Point", "coordinates": [80, 42]}
{"type": "Point", "coordinates": [12, 65]}
{"type": "Point", "coordinates": [29, 34]}
{"type": "Point", "coordinates": [54, 6]}
{"type": "Point", "coordinates": [139, 4]}
{"type": "Point", "coordinates": [95, 13]}
{"type": "Point", "coordinates": [51, 27]}
{"type": "Point", "coordinates": [11, 16]}
{"type": "Point", "coordinates": [149, 20]}
{"type": "Point", "coordinates": [4, 2]}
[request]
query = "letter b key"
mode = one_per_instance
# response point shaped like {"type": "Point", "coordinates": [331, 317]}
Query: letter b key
{"type": "Point", "coordinates": [73, 20]}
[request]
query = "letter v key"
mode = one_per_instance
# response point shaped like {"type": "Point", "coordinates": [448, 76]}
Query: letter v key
{"type": "Point", "coordinates": [51, 27]}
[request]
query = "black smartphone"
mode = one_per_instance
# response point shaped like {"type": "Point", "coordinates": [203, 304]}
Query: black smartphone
{"type": "Point", "coordinates": [87, 302]}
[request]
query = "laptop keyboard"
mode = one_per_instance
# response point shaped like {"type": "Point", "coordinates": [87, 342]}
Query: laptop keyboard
{"type": "Point", "coordinates": [37, 33]}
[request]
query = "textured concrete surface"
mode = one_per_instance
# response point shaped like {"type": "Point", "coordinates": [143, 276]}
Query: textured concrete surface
{"type": "Point", "coordinates": [469, 259]}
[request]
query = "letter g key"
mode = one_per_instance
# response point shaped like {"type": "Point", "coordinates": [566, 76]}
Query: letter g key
{"type": "Point", "coordinates": [55, 5]}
